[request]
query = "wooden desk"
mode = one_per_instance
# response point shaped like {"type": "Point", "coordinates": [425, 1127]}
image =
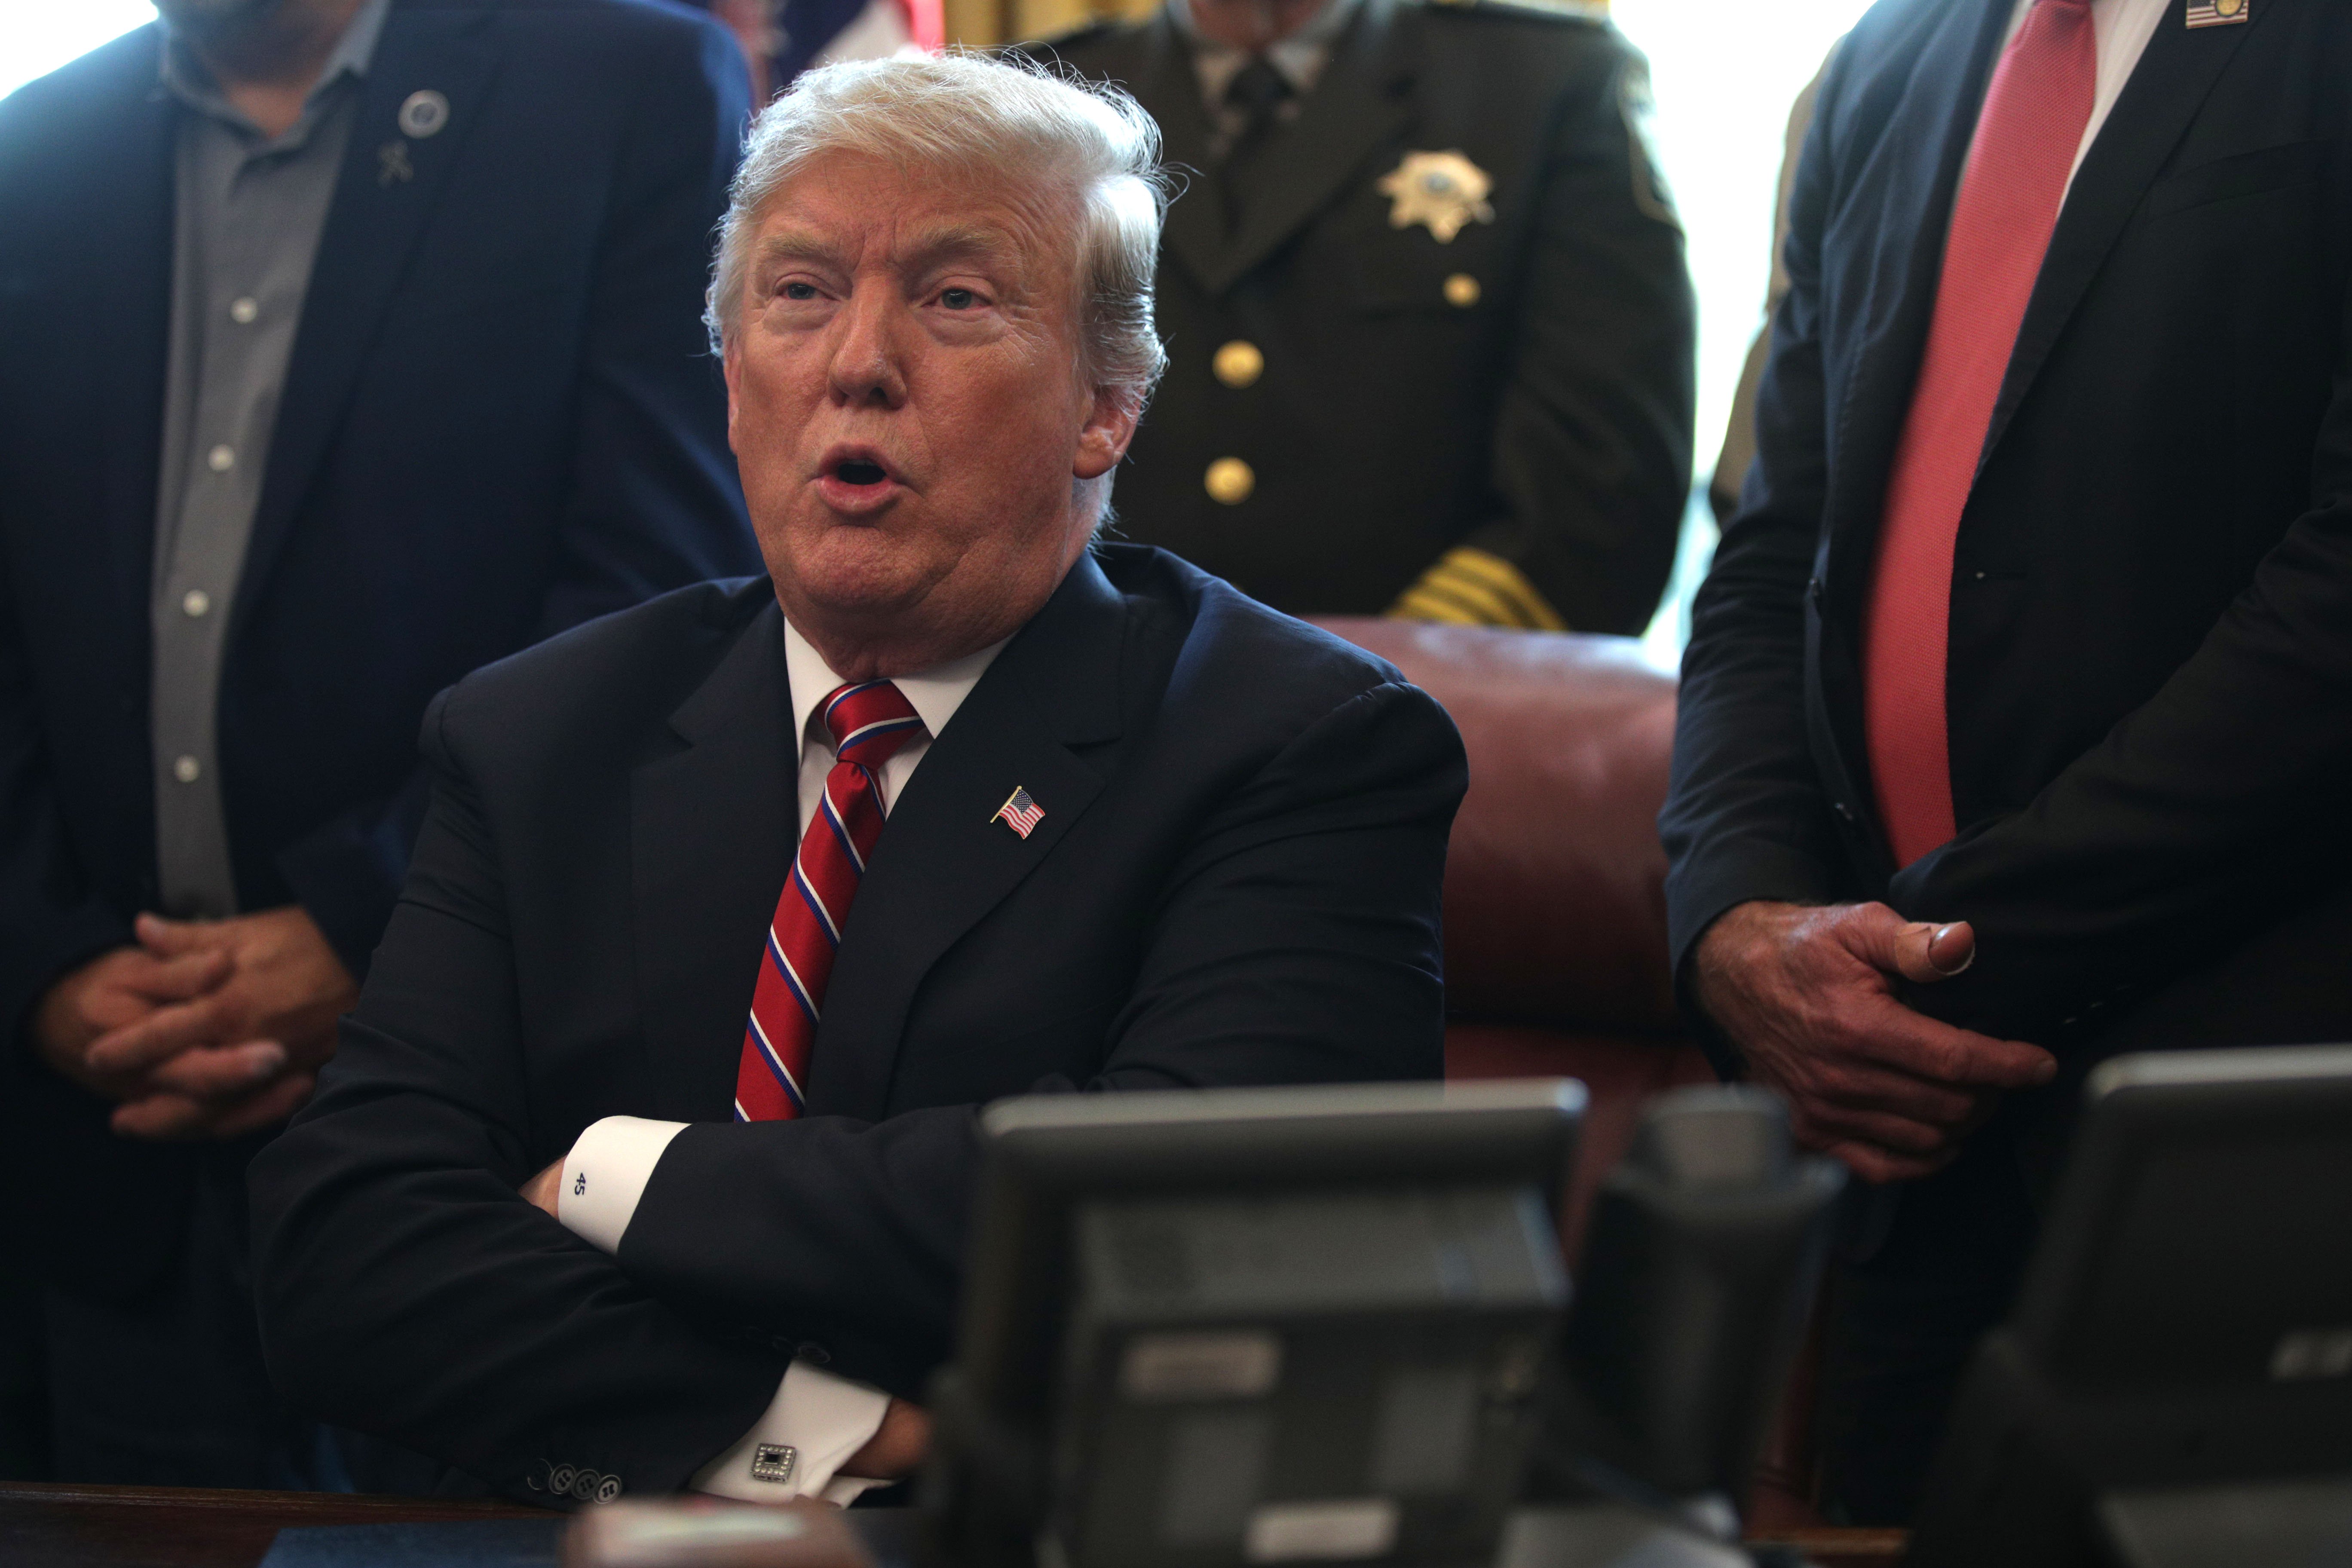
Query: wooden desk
{"type": "Point", "coordinates": [1842, 1548]}
{"type": "Point", "coordinates": [174, 1527]}
{"type": "Point", "coordinates": [138, 1527]}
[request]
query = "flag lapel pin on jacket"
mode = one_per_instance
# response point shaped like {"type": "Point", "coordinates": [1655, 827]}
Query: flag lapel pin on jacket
{"type": "Point", "coordinates": [2217, 12]}
{"type": "Point", "coordinates": [1019, 812]}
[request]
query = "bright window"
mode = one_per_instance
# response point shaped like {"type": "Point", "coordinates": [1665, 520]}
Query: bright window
{"type": "Point", "coordinates": [36, 36]}
{"type": "Point", "coordinates": [1725, 72]}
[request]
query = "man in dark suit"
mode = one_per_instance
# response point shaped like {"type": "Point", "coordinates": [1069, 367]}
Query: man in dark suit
{"type": "Point", "coordinates": [1429, 326]}
{"type": "Point", "coordinates": [2028, 652]}
{"type": "Point", "coordinates": [350, 344]}
{"type": "Point", "coordinates": [1141, 833]}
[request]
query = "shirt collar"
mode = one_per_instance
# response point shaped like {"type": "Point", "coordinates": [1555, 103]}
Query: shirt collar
{"type": "Point", "coordinates": [1300, 57]}
{"type": "Point", "coordinates": [186, 78]}
{"type": "Point", "coordinates": [935, 694]}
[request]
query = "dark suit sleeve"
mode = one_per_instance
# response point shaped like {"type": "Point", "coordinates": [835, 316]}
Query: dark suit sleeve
{"type": "Point", "coordinates": [50, 918]}
{"type": "Point", "coordinates": [654, 503]}
{"type": "Point", "coordinates": [2200, 819]}
{"type": "Point", "coordinates": [1746, 817]}
{"type": "Point", "coordinates": [404, 1287]}
{"type": "Point", "coordinates": [1592, 433]}
{"type": "Point", "coordinates": [1296, 941]}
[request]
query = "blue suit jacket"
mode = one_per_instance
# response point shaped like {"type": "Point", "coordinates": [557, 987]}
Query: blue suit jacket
{"type": "Point", "coordinates": [1235, 881]}
{"type": "Point", "coordinates": [501, 420]}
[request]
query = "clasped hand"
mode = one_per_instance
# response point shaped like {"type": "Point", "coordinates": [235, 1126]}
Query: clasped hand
{"type": "Point", "coordinates": [206, 1028]}
{"type": "Point", "coordinates": [1808, 996]}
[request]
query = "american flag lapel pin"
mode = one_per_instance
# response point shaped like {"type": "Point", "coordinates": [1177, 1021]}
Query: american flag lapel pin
{"type": "Point", "coordinates": [2217, 12]}
{"type": "Point", "coordinates": [1019, 812]}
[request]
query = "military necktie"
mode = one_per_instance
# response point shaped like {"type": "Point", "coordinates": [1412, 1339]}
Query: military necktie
{"type": "Point", "coordinates": [1258, 90]}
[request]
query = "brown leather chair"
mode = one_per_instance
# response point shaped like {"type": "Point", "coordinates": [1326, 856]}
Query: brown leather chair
{"type": "Point", "coordinates": [1555, 906]}
{"type": "Point", "coordinates": [1555, 902]}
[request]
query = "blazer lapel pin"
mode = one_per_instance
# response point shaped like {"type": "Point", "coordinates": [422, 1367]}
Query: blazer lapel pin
{"type": "Point", "coordinates": [423, 113]}
{"type": "Point", "coordinates": [1019, 812]}
{"type": "Point", "coordinates": [2217, 12]}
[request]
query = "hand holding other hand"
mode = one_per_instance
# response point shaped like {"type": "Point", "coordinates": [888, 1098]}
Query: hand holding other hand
{"type": "Point", "coordinates": [1807, 995]}
{"type": "Point", "coordinates": [207, 1029]}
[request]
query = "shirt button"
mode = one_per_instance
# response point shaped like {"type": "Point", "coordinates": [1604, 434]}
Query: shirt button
{"type": "Point", "coordinates": [187, 770]}
{"type": "Point", "coordinates": [243, 311]}
{"type": "Point", "coordinates": [1238, 363]}
{"type": "Point", "coordinates": [1462, 290]}
{"type": "Point", "coordinates": [1229, 481]}
{"type": "Point", "coordinates": [194, 603]}
{"type": "Point", "coordinates": [222, 459]}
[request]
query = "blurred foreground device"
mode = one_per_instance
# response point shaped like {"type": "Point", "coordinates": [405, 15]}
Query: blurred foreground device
{"type": "Point", "coordinates": [2175, 1388]}
{"type": "Point", "coordinates": [1706, 1244]}
{"type": "Point", "coordinates": [1207, 1328]}
{"type": "Point", "coordinates": [704, 1532]}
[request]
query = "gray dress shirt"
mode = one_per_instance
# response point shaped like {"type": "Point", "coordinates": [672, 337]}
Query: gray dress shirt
{"type": "Point", "coordinates": [249, 211]}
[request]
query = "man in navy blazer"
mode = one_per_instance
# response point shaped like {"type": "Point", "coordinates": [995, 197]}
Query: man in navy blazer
{"type": "Point", "coordinates": [349, 345]}
{"type": "Point", "coordinates": [2136, 627]}
{"type": "Point", "coordinates": [646, 1158]}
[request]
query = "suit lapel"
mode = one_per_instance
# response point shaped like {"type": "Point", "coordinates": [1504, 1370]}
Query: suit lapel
{"type": "Point", "coordinates": [712, 830]}
{"type": "Point", "coordinates": [134, 213]}
{"type": "Point", "coordinates": [2167, 89]}
{"type": "Point", "coordinates": [1923, 151]}
{"type": "Point", "coordinates": [1359, 103]}
{"type": "Point", "coordinates": [941, 865]}
{"type": "Point", "coordinates": [372, 229]}
{"type": "Point", "coordinates": [1194, 230]}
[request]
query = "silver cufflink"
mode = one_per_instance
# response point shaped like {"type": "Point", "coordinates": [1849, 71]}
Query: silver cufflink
{"type": "Point", "coordinates": [774, 1462]}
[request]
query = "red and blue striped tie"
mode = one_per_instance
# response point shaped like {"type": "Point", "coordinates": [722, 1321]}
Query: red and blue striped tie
{"type": "Point", "coordinates": [868, 723]}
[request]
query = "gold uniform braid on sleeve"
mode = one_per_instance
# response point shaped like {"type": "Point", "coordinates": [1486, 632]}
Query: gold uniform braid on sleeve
{"type": "Point", "coordinates": [1474, 587]}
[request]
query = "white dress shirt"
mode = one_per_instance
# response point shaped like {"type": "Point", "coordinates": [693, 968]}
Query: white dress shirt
{"type": "Point", "coordinates": [823, 1419]}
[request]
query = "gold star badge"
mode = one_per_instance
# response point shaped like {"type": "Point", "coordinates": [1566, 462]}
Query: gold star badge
{"type": "Point", "coordinates": [1445, 190]}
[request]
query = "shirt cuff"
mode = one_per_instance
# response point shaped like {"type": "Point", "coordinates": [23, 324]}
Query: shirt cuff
{"type": "Point", "coordinates": [606, 1175]}
{"type": "Point", "coordinates": [813, 1427]}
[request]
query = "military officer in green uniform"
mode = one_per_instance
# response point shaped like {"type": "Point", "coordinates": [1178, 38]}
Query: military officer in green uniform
{"type": "Point", "coordinates": [1424, 299]}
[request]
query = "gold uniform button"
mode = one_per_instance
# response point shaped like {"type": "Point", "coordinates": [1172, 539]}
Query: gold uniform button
{"type": "Point", "coordinates": [1462, 290]}
{"type": "Point", "coordinates": [1238, 363]}
{"type": "Point", "coordinates": [1230, 481]}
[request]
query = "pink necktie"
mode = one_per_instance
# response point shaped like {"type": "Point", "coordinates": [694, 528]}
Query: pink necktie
{"type": "Point", "coordinates": [2018, 166]}
{"type": "Point", "coordinates": [868, 724]}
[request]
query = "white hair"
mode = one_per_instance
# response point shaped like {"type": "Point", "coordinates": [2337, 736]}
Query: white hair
{"type": "Point", "coordinates": [970, 114]}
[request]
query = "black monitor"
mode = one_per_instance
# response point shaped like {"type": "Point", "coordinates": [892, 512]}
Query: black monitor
{"type": "Point", "coordinates": [2184, 1327]}
{"type": "Point", "coordinates": [1217, 1327]}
